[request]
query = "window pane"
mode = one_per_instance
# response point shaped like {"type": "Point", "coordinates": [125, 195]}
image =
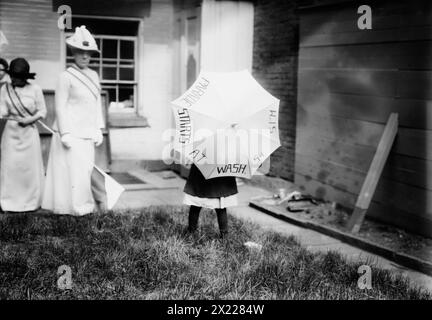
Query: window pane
{"type": "Point", "coordinates": [127, 49]}
{"type": "Point", "coordinates": [126, 96]}
{"type": "Point", "coordinates": [111, 93]}
{"type": "Point", "coordinates": [127, 73]}
{"type": "Point", "coordinates": [109, 48]}
{"type": "Point", "coordinates": [112, 97]}
{"type": "Point", "coordinates": [109, 73]}
{"type": "Point", "coordinates": [125, 102]}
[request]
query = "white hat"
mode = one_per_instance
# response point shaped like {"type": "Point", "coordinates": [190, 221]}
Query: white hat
{"type": "Point", "coordinates": [82, 39]}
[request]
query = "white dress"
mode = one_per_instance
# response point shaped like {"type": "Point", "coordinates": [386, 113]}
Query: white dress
{"type": "Point", "coordinates": [21, 167]}
{"type": "Point", "coordinates": [68, 180]}
{"type": "Point", "coordinates": [211, 203]}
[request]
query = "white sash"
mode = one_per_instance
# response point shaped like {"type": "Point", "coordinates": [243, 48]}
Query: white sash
{"type": "Point", "coordinates": [89, 83]}
{"type": "Point", "coordinates": [16, 102]}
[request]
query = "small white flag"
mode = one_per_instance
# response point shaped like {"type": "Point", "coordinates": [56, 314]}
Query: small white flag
{"type": "Point", "coordinates": [105, 189]}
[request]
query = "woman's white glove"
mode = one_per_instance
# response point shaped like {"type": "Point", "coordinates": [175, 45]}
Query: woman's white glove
{"type": "Point", "coordinates": [66, 140]}
{"type": "Point", "coordinates": [98, 138]}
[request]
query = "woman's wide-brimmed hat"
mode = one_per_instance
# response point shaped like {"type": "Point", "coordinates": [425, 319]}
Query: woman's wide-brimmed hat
{"type": "Point", "coordinates": [20, 68]}
{"type": "Point", "coordinates": [82, 39]}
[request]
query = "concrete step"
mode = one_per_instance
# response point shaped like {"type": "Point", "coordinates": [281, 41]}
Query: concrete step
{"type": "Point", "coordinates": [125, 165]}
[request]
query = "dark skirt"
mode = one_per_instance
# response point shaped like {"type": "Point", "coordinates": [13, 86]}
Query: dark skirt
{"type": "Point", "coordinates": [198, 186]}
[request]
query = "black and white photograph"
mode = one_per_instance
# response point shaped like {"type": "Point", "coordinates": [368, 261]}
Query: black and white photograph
{"type": "Point", "coordinates": [215, 155]}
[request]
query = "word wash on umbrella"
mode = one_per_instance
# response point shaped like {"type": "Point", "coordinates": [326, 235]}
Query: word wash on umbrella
{"type": "Point", "coordinates": [232, 168]}
{"type": "Point", "coordinates": [196, 92]}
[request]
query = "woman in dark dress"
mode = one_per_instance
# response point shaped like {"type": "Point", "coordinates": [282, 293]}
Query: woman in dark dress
{"type": "Point", "coordinates": [216, 193]}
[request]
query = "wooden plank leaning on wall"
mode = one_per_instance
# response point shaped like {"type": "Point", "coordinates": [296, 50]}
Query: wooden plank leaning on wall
{"type": "Point", "coordinates": [365, 197]}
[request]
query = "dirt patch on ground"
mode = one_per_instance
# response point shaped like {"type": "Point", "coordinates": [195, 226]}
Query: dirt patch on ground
{"type": "Point", "coordinates": [389, 236]}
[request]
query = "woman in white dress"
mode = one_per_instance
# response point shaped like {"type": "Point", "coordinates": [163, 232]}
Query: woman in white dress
{"type": "Point", "coordinates": [21, 170]}
{"type": "Point", "coordinates": [78, 124]}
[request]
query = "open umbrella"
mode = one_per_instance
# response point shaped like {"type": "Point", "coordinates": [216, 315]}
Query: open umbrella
{"type": "Point", "coordinates": [227, 124]}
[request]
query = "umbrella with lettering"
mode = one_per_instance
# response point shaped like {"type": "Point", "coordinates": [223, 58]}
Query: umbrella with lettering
{"type": "Point", "coordinates": [227, 124]}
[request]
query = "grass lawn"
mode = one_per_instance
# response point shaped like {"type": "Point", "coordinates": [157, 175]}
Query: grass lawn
{"type": "Point", "coordinates": [144, 255]}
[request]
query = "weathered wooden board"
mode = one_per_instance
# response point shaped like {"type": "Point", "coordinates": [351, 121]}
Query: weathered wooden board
{"type": "Point", "coordinates": [334, 25]}
{"type": "Point", "coordinates": [343, 10]}
{"type": "Point", "coordinates": [405, 170]}
{"type": "Point", "coordinates": [412, 113]}
{"type": "Point", "coordinates": [368, 82]}
{"type": "Point", "coordinates": [413, 55]}
{"type": "Point", "coordinates": [349, 131]}
{"type": "Point", "coordinates": [379, 83]}
{"type": "Point", "coordinates": [372, 36]}
{"type": "Point", "coordinates": [374, 174]}
{"type": "Point", "coordinates": [322, 25]}
{"type": "Point", "coordinates": [410, 142]}
{"type": "Point", "coordinates": [354, 156]}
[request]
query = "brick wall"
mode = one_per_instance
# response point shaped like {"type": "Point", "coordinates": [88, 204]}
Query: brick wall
{"type": "Point", "coordinates": [275, 61]}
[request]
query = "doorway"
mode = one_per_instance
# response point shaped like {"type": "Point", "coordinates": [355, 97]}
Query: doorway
{"type": "Point", "coordinates": [187, 53]}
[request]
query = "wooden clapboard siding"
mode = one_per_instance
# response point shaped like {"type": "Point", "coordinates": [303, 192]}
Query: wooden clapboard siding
{"type": "Point", "coordinates": [412, 113]}
{"type": "Point", "coordinates": [350, 180]}
{"type": "Point", "coordinates": [375, 36]}
{"type": "Point", "coordinates": [358, 132]}
{"type": "Point", "coordinates": [406, 170]}
{"type": "Point", "coordinates": [371, 82]}
{"type": "Point", "coordinates": [349, 82]}
{"type": "Point", "coordinates": [413, 55]}
{"type": "Point", "coordinates": [350, 155]}
{"type": "Point", "coordinates": [392, 21]}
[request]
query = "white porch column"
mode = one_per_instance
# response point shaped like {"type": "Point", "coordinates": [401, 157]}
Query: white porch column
{"type": "Point", "coordinates": [226, 35]}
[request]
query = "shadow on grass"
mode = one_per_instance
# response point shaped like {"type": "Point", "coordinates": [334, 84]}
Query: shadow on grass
{"type": "Point", "coordinates": [143, 254]}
